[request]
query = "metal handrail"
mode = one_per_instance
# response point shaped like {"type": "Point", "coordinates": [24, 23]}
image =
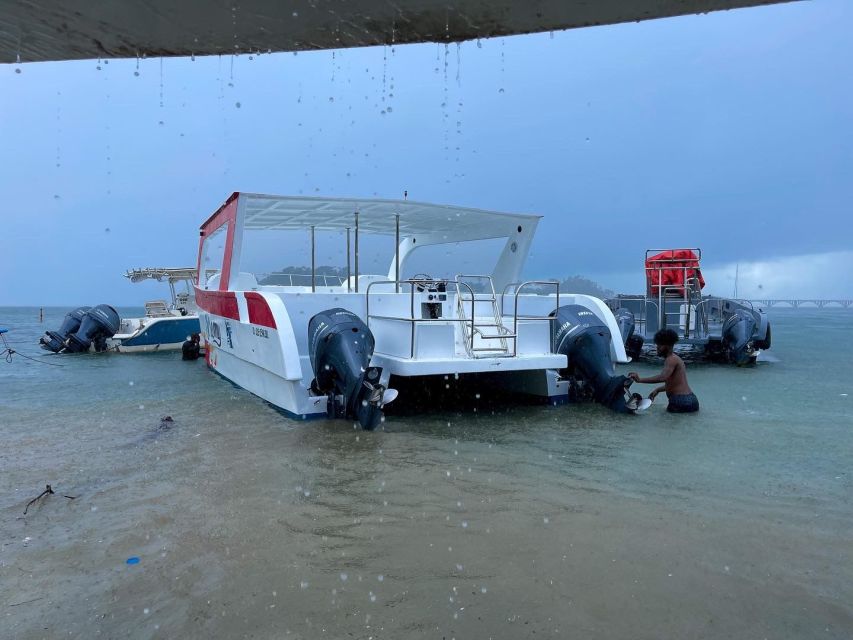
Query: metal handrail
{"type": "Point", "coordinates": [497, 314]}
{"type": "Point", "coordinates": [702, 313]}
{"type": "Point", "coordinates": [521, 284]}
{"type": "Point", "coordinates": [646, 302]}
{"type": "Point", "coordinates": [413, 320]}
{"type": "Point", "coordinates": [503, 293]}
{"type": "Point", "coordinates": [548, 318]}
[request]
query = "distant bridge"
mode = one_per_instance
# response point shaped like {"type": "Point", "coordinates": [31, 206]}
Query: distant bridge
{"type": "Point", "coordinates": [804, 302]}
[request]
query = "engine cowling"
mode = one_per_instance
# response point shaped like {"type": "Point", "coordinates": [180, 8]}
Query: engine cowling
{"type": "Point", "coordinates": [55, 340]}
{"type": "Point", "coordinates": [633, 342]}
{"type": "Point", "coordinates": [737, 337]}
{"type": "Point", "coordinates": [97, 325]}
{"type": "Point", "coordinates": [585, 340]}
{"type": "Point", "coordinates": [340, 348]}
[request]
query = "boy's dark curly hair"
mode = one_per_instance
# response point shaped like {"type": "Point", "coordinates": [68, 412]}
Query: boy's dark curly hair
{"type": "Point", "coordinates": [666, 337]}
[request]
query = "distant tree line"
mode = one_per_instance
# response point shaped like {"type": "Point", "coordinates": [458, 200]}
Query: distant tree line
{"type": "Point", "coordinates": [578, 284]}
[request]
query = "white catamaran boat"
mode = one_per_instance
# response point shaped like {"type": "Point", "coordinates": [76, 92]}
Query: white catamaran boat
{"type": "Point", "coordinates": [318, 348]}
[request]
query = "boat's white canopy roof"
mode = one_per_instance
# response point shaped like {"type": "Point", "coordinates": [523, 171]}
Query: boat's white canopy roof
{"type": "Point", "coordinates": [161, 273]}
{"type": "Point", "coordinates": [377, 217]}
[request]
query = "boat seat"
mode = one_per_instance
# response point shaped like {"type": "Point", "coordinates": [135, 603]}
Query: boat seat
{"type": "Point", "coordinates": [244, 282]}
{"type": "Point", "coordinates": [157, 309]}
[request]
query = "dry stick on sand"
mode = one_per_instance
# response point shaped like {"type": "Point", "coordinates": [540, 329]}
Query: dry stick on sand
{"type": "Point", "coordinates": [47, 491]}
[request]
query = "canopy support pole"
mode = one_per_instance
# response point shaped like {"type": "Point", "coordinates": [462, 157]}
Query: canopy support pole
{"type": "Point", "coordinates": [397, 255]}
{"type": "Point", "coordinates": [356, 251]}
{"type": "Point", "coordinates": [349, 284]}
{"type": "Point", "coordinates": [313, 269]}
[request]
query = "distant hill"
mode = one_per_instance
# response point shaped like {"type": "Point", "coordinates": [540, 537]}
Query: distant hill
{"type": "Point", "coordinates": [283, 277]}
{"type": "Point", "coordinates": [579, 284]}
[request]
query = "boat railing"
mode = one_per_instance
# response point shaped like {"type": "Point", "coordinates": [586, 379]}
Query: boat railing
{"type": "Point", "coordinates": [689, 297]}
{"type": "Point", "coordinates": [642, 319]}
{"type": "Point", "coordinates": [484, 292]}
{"type": "Point", "coordinates": [412, 320]}
{"type": "Point", "coordinates": [703, 314]}
{"type": "Point", "coordinates": [551, 318]}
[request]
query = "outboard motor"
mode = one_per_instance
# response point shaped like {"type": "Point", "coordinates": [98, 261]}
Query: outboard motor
{"type": "Point", "coordinates": [765, 343]}
{"type": "Point", "coordinates": [97, 325]}
{"type": "Point", "coordinates": [55, 340]}
{"type": "Point", "coordinates": [582, 337]}
{"type": "Point", "coordinates": [633, 342]}
{"type": "Point", "coordinates": [340, 347]}
{"type": "Point", "coordinates": [737, 337]}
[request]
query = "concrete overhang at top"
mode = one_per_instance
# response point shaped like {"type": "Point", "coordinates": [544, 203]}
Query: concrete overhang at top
{"type": "Point", "coordinates": [32, 31]}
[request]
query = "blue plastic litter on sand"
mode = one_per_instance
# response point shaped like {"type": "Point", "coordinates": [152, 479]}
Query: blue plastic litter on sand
{"type": "Point", "coordinates": [133, 560]}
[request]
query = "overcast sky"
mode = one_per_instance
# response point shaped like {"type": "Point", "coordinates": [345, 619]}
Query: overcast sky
{"type": "Point", "coordinates": [729, 131]}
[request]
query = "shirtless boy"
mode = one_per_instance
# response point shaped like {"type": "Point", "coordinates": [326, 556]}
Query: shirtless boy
{"type": "Point", "coordinates": [674, 376]}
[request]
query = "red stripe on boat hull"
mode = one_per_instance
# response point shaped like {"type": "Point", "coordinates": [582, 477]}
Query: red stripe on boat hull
{"type": "Point", "coordinates": [259, 310]}
{"type": "Point", "coordinates": [219, 303]}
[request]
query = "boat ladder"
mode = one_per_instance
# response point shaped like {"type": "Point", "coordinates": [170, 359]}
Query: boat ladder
{"type": "Point", "coordinates": [484, 332]}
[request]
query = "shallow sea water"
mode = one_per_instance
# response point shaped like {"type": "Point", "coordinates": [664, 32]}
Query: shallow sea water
{"type": "Point", "coordinates": [483, 521]}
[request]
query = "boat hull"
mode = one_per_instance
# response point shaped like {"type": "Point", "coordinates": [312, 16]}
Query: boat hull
{"type": "Point", "coordinates": [156, 334]}
{"type": "Point", "coordinates": [259, 341]}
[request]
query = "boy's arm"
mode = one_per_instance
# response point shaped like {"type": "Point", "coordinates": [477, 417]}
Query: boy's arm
{"type": "Point", "coordinates": [663, 376]}
{"type": "Point", "coordinates": [654, 393]}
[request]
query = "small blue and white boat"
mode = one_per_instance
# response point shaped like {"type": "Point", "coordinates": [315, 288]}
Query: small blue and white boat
{"type": "Point", "coordinates": [164, 327]}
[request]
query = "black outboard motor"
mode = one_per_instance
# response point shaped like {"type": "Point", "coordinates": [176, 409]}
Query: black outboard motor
{"type": "Point", "coordinates": [737, 337]}
{"type": "Point", "coordinates": [340, 346]}
{"type": "Point", "coordinates": [55, 340]}
{"type": "Point", "coordinates": [582, 337]}
{"type": "Point", "coordinates": [765, 343]}
{"type": "Point", "coordinates": [97, 325]}
{"type": "Point", "coordinates": [633, 342]}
